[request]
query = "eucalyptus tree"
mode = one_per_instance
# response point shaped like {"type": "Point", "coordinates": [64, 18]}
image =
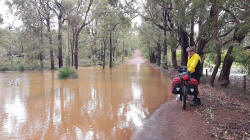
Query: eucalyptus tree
{"type": "Point", "coordinates": [174, 18]}
{"type": "Point", "coordinates": [46, 16]}
{"type": "Point", "coordinates": [103, 35]}
{"type": "Point", "coordinates": [33, 13]}
{"type": "Point", "coordinates": [112, 22]}
{"type": "Point", "coordinates": [235, 28]}
{"type": "Point", "coordinates": [61, 8]}
{"type": "Point", "coordinates": [162, 21]}
{"type": "Point", "coordinates": [151, 38]}
{"type": "Point", "coordinates": [78, 19]}
{"type": "Point", "coordinates": [58, 8]}
{"type": "Point", "coordinates": [29, 13]}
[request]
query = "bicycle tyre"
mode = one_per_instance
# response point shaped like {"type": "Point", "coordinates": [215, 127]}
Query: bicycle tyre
{"type": "Point", "coordinates": [184, 96]}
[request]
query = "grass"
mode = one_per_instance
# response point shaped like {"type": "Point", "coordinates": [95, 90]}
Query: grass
{"type": "Point", "coordinates": [20, 67]}
{"type": "Point", "coordinates": [66, 73]}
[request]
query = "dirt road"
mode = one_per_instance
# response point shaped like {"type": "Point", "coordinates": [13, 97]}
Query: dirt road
{"type": "Point", "coordinates": [137, 58]}
{"type": "Point", "coordinates": [170, 122]}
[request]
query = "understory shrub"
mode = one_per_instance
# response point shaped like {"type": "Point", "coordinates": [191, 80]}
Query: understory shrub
{"type": "Point", "coordinates": [66, 73]}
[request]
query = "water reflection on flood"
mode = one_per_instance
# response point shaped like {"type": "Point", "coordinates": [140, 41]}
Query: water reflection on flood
{"type": "Point", "coordinates": [100, 104]}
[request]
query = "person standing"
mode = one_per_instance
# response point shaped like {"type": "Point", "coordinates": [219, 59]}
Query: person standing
{"type": "Point", "coordinates": [194, 68]}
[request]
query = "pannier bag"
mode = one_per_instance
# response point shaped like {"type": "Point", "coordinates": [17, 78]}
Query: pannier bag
{"type": "Point", "coordinates": [194, 83]}
{"type": "Point", "coordinates": [176, 85]}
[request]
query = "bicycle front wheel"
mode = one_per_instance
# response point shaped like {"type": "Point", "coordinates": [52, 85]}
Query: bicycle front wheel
{"type": "Point", "coordinates": [184, 97]}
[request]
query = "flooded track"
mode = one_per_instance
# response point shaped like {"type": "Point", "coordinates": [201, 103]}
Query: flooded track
{"type": "Point", "coordinates": [106, 104]}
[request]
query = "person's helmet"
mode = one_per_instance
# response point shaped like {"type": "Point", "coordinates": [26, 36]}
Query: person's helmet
{"type": "Point", "coordinates": [190, 48]}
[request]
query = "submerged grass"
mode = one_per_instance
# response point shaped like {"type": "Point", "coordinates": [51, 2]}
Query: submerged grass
{"type": "Point", "coordinates": [67, 73]}
{"type": "Point", "coordinates": [21, 67]}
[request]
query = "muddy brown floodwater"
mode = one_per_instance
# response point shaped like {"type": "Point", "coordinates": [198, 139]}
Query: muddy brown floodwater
{"type": "Point", "coordinates": [107, 104]}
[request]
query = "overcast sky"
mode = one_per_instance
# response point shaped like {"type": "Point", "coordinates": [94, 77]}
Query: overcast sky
{"type": "Point", "coordinates": [8, 18]}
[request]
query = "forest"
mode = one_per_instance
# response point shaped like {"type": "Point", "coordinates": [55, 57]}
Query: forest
{"type": "Point", "coordinates": [73, 33]}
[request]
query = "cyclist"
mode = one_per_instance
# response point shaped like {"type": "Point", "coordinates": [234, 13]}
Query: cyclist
{"type": "Point", "coordinates": [194, 68]}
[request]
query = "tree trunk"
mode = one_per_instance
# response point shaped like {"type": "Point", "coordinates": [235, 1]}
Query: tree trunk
{"type": "Point", "coordinates": [41, 59]}
{"type": "Point", "coordinates": [225, 71]}
{"type": "Point", "coordinates": [113, 51]}
{"type": "Point", "coordinates": [41, 49]}
{"type": "Point", "coordinates": [184, 44]}
{"type": "Point", "coordinates": [218, 50]}
{"type": "Point", "coordinates": [192, 32]}
{"type": "Point", "coordinates": [110, 49]}
{"type": "Point", "coordinates": [76, 51]}
{"type": "Point", "coordinates": [69, 47]}
{"type": "Point", "coordinates": [165, 50]}
{"type": "Point", "coordinates": [202, 65]}
{"type": "Point", "coordinates": [152, 55]}
{"type": "Point", "coordinates": [158, 56]}
{"type": "Point", "coordinates": [72, 48]}
{"type": "Point", "coordinates": [40, 55]}
{"type": "Point", "coordinates": [174, 60]}
{"type": "Point", "coordinates": [216, 40]}
{"type": "Point", "coordinates": [22, 50]}
{"type": "Point", "coordinates": [52, 65]}
{"type": "Point", "coordinates": [60, 58]}
{"type": "Point", "coordinates": [204, 34]}
{"type": "Point", "coordinates": [104, 53]}
{"type": "Point", "coordinates": [201, 45]}
{"type": "Point", "coordinates": [123, 50]}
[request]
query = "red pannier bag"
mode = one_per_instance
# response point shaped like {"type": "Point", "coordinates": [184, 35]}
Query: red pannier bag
{"type": "Point", "coordinates": [176, 82]}
{"type": "Point", "coordinates": [193, 82]}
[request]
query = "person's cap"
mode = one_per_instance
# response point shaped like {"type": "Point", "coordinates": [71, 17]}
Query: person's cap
{"type": "Point", "coordinates": [190, 48]}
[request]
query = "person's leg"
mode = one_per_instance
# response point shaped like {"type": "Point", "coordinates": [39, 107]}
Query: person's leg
{"type": "Point", "coordinates": [196, 100]}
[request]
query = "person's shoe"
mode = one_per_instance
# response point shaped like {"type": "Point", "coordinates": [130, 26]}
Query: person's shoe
{"type": "Point", "coordinates": [195, 102]}
{"type": "Point", "coordinates": [198, 101]}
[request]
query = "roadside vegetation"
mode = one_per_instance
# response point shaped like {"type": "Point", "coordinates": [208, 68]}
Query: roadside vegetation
{"type": "Point", "coordinates": [62, 33]}
{"type": "Point", "coordinates": [219, 29]}
{"type": "Point", "coordinates": [66, 73]}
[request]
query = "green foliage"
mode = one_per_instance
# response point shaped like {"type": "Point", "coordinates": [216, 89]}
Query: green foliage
{"type": "Point", "coordinates": [242, 57]}
{"type": "Point", "coordinates": [242, 30]}
{"type": "Point", "coordinates": [21, 67]}
{"type": "Point", "coordinates": [66, 73]}
{"type": "Point", "coordinates": [1, 19]}
{"type": "Point", "coordinates": [113, 16]}
{"type": "Point", "coordinates": [113, 2]}
{"type": "Point", "coordinates": [18, 64]}
{"type": "Point", "coordinates": [211, 58]}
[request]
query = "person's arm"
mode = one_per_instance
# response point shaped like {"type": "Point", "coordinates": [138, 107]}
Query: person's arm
{"type": "Point", "coordinates": [193, 63]}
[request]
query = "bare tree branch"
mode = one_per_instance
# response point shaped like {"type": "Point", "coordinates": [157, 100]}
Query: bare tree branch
{"type": "Point", "coordinates": [85, 18]}
{"type": "Point", "coordinates": [231, 13]}
{"type": "Point", "coordinates": [228, 32]}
